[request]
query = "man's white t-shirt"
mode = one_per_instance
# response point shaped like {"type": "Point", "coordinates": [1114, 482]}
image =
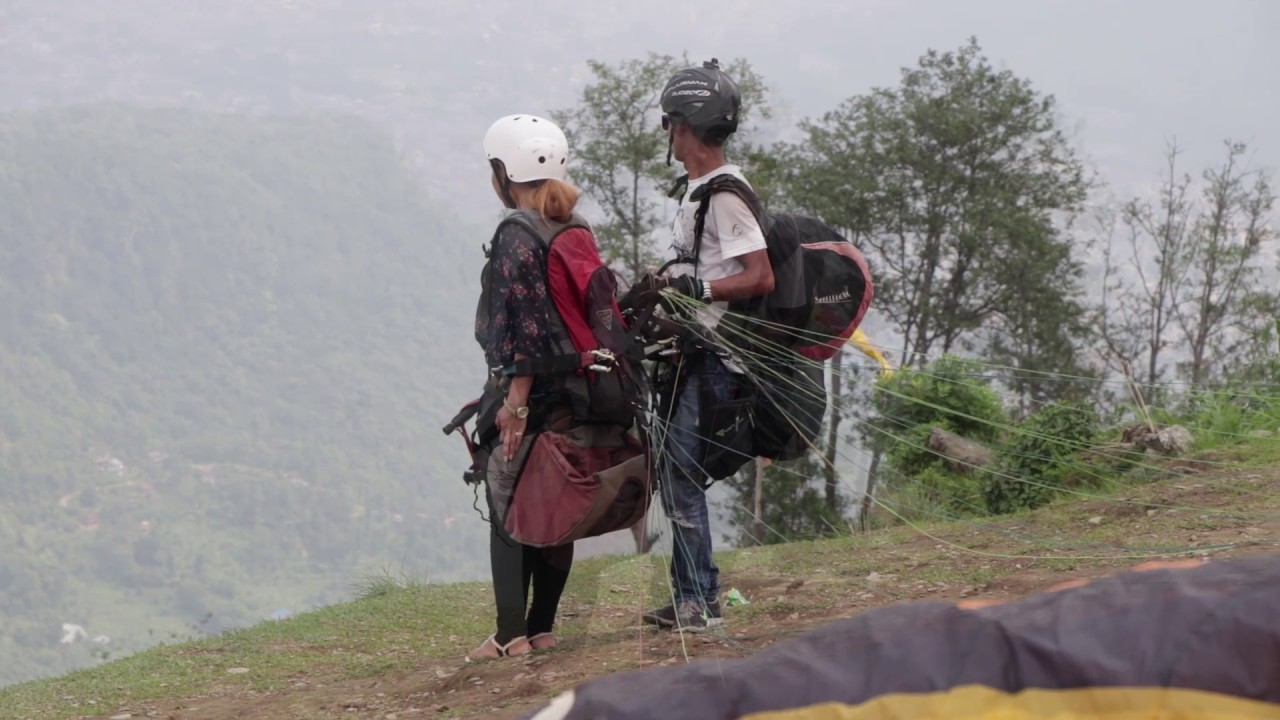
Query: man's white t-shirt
{"type": "Point", "coordinates": [730, 231]}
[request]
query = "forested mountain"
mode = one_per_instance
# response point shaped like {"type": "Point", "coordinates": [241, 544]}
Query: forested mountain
{"type": "Point", "coordinates": [431, 74]}
{"type": "Point", "coordinates": [225, 363]}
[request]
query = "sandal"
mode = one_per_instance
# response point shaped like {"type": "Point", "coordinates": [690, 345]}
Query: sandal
{"type": "Point", "coordinates": [543, 641]}
{"type": "Point", "coordinates": [490, 649]}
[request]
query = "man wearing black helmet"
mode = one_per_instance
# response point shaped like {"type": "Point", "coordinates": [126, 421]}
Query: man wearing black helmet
{"type": "Point", "coordinates": [701, 108]}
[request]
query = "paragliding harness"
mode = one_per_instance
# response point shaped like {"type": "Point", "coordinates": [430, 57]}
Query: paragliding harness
{"type": "Point", "coordinates": [822, 289]}
{"type": "Point", "coordinates": [584, 467]}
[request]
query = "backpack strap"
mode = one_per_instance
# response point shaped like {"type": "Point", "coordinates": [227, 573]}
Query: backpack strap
{"type": "Point", "coordinates": [597, 360]}
{"type": "Point", "coordinates": [702, 196]}
{"type": "Point", "coordinates": [527, 219]}
{"type": "Point", "coordinates": [569, 360]}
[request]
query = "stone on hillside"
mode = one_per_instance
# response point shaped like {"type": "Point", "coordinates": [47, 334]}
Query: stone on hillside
{"type": "Point", "coordinates": [962, 455]}
{"type": "Point", "coordinates": [1174, 440]}
{"type": "Point", "coordinates": [1170, 440]}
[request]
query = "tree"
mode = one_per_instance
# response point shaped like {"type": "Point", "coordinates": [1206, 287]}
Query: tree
{"type": "Point", "coordinates": [1225, 240]}
{"type": "Point", "coordinates": [1258, 361]}
{"type": "Point", "coordinates": [1035, 339]}
{"type": "Point", "coordinates": [1194, 272]}
{"type": "Point", "coordinates": [616, 136]}
{"type": "Point", "coordinates": [791, 504]}
{"type": "Point", "coordinates": [948, 178]}
{"type": "Point", "coordinates": [831, 447]}
{"type": "Point", "coordinates": [618, 145]}
{"type": "Point", "coordinates": [1118, 330]}
{"type": "Point", "coordinates": [1135, 321]}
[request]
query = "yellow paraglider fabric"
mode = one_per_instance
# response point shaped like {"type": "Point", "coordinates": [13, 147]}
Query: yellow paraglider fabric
{"type": "Point", "coordinates": [976, 702]}
{"type": "Point", "coordinates": [863, 343]}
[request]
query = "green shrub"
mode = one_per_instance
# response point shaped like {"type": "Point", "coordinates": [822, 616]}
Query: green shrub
{"type": "Point", "coordinates": [909, 502]}
{"type": "Point", "coordinates": [952, 394]}
{"type": "Point", "coordinates": [1040, 458]}
{"type": "Point", "coordinates": [1225, 416]}
{"type": "Point", "coordinates": [949, 392]}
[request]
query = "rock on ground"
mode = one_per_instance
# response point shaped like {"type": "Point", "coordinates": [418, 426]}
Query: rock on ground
{"type": "Point", "coordinates": [962, 455]}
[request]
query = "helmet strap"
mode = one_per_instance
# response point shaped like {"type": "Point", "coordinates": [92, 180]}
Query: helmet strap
{"type": "Point", "coordinates": [671, 139]}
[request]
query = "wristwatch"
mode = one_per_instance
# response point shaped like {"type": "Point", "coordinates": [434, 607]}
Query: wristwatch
{"type": "Point", "coordinates": [520, 412]}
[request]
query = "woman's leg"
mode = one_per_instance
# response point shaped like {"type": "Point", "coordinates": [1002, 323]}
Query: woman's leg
{"type": "Point", "coordinates": [511, 573]}
{"type": "Point", "coordinates": [550, 574]}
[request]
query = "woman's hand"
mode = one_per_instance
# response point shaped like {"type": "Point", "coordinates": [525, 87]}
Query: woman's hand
{"type": "Point", "coordinates": [511, 428]}
{"type": "Point", "coordinates": [511, 431]}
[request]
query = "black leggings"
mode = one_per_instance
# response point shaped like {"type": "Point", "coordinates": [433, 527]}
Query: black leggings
{"type": "Point", "coordinates": [514, 566]}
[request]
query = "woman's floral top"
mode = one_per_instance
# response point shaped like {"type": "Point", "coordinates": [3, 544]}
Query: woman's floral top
{"type": "Point", "coordinates": [514, 312]}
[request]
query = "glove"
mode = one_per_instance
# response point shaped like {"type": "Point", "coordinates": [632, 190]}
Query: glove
{"type": "Point", "coordinates": [646, 285]}
{"type": "Point", "coordinates": [688, 286]}
{"type": "Point", "coordinates": [648, 290]}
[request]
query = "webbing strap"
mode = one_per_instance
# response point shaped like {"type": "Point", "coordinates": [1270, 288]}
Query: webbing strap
{"type": "Point", "coordinates": [550, 364]}
{"type": "Point", "coordinates": [702, 196]}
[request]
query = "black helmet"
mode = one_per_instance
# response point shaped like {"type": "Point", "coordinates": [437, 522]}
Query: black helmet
{"type": "Point", "coordinates": [705, 98]}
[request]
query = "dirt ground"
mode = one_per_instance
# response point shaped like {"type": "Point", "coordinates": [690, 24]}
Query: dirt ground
{"type": "Point", "coordinates": [781, 606]}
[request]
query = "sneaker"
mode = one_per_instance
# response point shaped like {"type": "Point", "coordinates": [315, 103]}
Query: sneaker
{"type": "Point", "coordinates": [714, 616]}
{"type": "Point", "coordinates": [691, 616]}
{"type": "Point", "coordinates": [663, 617]}
{"type": "Point", "coordinates": [666, 616]}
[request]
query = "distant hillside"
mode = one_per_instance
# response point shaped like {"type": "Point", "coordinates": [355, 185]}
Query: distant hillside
{"type": "Point", "coordinates": [228, 345]}
{"type": "Point", "coordinates": [434, 74]}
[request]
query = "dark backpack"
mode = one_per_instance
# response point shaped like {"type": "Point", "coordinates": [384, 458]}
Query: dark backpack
{"type": "Point", "coordinates": [822, 285]}
{"type": "Point", "coordinates": [822, 289]}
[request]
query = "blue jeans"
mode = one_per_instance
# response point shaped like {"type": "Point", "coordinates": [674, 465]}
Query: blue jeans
{"type": "Point", "coordinates": [694, 573]}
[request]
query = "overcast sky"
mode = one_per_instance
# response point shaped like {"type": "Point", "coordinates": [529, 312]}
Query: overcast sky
{"type": "Point", "coordinates": [1129, 74]}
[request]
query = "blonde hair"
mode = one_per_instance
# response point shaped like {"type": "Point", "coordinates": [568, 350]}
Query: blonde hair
{"type": "Point", "coordinates": [555, 199]}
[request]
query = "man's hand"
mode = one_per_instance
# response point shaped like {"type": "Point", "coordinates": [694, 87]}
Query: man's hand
{"type": "Point", "coordinates": [648, 290]}
{"type": "Point", "coordinates": [647, 284]}
{"type": "Point", "coordinates": [688, 286]}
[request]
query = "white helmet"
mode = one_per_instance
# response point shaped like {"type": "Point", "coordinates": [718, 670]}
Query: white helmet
{"type": "Point", "coordinates": [531, 148]}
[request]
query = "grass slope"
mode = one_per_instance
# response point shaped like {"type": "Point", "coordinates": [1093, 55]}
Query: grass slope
{"type": "Point", "coordinates": [397, 652]}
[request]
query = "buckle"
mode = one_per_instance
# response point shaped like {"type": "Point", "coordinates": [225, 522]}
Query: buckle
{"type": "Point", "coordinates": [605, 360]}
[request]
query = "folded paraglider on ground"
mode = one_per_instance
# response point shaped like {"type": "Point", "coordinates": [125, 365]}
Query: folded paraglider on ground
{"type": "Point", "coordinates": [1168, 640]}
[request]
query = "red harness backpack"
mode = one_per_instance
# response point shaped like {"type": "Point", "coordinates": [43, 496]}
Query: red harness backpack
{"type": "Point", "coordinates": [592, 476]}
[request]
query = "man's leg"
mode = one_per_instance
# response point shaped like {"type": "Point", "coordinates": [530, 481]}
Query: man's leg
{"type": "Point", "coordinates": [721, 385]}
{"type": "Point", "coordinates": [684, 499]}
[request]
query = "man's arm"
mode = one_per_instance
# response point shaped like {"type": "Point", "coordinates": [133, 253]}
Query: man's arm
{"type": "Point", "coordinates": [742, 239]}
{"type": "Point", "coordinates": [756, 279]}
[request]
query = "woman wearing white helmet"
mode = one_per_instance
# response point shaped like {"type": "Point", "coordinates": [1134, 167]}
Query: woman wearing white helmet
{"type": "Point", "coordinates": [529, 158]}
